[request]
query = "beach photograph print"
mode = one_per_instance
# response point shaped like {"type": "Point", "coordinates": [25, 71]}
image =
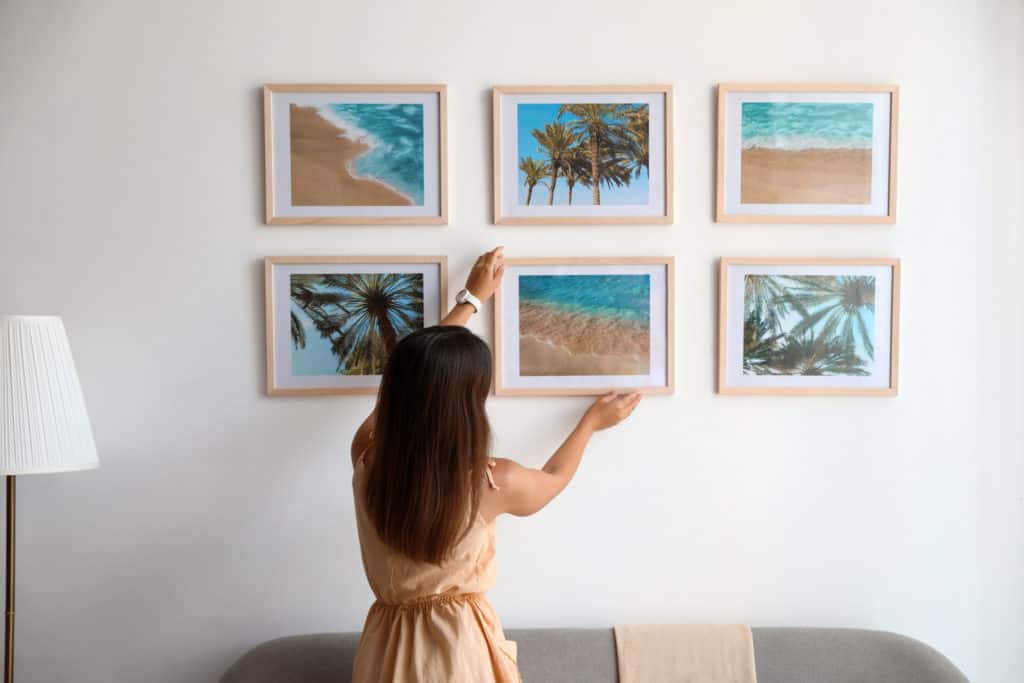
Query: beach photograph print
{"type": "Point", "coordinates": [345, 154]}
{"type": "Point", "coordinates": [334, 321]}
{"type": "Point", "coordinates": [348, 323]}
{"type": "Point", "coordinates": [355, 154]}
{"type": "Point", "coordinates": [806, 154]}
{"type": "Point", "coordinates": [825, 326]}
{"type": "Point", "coordinates": [567, 326]}
{"type": "Point", "coordinates": [582, 155]}
{"type": "Point", "coordinates": [584, 324]}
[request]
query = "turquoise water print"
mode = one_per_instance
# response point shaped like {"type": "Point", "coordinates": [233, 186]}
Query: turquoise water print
{"type": "Point", "coordinates": [394, 133]}
{"type": "Point", "coordinates": [808, 325]}
{"type": "Point", "coordinates": [807, 125]}
{"type": "Point", "coordinates": [622, 297]}
{"type": "Point", "coordinates": [556, 147]}
{"type": "Point", "coordinates": [348, 323]}
{"type": "Point", "coordinates": [584, 325]}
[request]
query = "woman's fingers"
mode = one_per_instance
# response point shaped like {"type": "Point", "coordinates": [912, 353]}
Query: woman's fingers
{"type": "Point", "coordinates": [629, 404]}
{"type": "Point", "coordinates": [492, 258]}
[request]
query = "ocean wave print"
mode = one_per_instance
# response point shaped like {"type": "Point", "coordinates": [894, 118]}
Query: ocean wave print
{"type": "Point", "coordinates": [622, 297]}
{"type": "Point", "coordinates": [394, 134]}
{"type": "Point", "coordinates": [807, 125]}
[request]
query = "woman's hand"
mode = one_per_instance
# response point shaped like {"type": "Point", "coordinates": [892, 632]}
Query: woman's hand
{"type": "Point", "coordinates": [485, 277]}
{"type": "Point", "coordinates": [609, 410]}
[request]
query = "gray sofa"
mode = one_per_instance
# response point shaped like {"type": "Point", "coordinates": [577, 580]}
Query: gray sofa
{"type": "Point", "coordinates": [564, 655]}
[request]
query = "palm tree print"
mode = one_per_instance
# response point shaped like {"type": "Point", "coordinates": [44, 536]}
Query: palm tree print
{"type": "Point", "coordinates": [600, 146]}
{"type": "Point", "coordinates": [359, 316]}
{"type": "Point", "coordinates": [808, 324]}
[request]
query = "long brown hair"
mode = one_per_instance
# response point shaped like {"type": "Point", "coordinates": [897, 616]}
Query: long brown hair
{"type": "Point", "coordinates": [431, 442]}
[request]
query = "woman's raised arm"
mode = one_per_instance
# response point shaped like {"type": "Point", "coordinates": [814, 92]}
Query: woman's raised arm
{"type": "Point", "coordinates": [523, 491]}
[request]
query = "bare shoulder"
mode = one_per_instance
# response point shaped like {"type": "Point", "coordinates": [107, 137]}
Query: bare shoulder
{"type": "Point", "coordinates": [519, 490]}
{"type": "Point", "coordinates": [503, 478]}
{"type": "Point", "coordinates": [506, 473]}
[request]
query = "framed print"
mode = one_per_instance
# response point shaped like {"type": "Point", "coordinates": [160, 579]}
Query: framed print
{"type": "Point", "coordinates": [582, 154]}
{"type": "Point", "coordinates": [332, 321]}
{"type": "Point", "coordinates": [808, 326]}
{"type": "Point", "coordinates": [807, 153]}
{"type": "Point", "coordinates": [355, 154]}
{"type": "Point", "coordinates": [565, 326]}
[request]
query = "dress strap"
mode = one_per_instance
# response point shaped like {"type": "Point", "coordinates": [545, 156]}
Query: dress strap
{"type": "Point", "coordinates": [361, 460]}
{"type": "Point", "coordinates": [490, 477]}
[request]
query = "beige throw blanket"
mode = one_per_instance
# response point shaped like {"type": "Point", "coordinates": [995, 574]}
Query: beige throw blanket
{"type": "Point", "coordinates": [685, 654]}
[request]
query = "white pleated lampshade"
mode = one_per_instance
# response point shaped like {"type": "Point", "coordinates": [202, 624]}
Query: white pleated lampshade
{"type": "Point", "coordinates": [44, 426]}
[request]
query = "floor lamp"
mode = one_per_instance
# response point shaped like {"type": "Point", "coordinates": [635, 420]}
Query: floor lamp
{"type": "Point", "coordinates": [44, 426]}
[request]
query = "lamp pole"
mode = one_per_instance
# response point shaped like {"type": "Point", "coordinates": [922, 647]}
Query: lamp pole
{"type": "Point", "coordinates": [9, 613]}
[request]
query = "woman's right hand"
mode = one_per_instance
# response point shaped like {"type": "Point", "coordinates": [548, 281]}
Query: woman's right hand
{"type": "Point", "coordinates": [610, 410]}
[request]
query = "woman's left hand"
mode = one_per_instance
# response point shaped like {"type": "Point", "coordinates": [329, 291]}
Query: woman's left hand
{"type": "Point", "coordinates": [485, 277]}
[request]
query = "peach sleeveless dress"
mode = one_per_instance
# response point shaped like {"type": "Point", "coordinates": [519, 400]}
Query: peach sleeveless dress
{"type": "Point", "coordinates": [430, 623]}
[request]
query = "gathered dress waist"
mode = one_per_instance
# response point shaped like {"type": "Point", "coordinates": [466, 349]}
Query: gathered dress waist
{"type": "Point", "coordinates": [428, 601]}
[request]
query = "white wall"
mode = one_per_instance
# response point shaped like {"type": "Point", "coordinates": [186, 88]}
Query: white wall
{"type": "Point", "coordinates": [131, 186]}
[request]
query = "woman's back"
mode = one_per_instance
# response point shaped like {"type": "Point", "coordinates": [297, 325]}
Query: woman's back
{"type": "Point", "coordinates": [470, 568]}
{"type": "Point", "coordinates": [431, 622]}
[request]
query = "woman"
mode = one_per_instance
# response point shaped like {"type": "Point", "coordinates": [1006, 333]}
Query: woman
{"type": "Point", "coordinates": [427, 494]}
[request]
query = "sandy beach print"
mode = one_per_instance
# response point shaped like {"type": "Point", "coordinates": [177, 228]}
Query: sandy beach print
{"type": "Point", "coordinates": [806, 153]}
{"type": "Point", "coordinates": [357, 155]}
{"type": "Point", "coordinates": [584, 325]}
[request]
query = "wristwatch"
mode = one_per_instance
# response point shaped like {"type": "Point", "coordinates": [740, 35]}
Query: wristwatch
{"type": "Point", "coordinates": [466, 297]}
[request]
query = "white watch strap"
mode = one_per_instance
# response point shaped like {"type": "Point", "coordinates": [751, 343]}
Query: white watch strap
{"type": "Point", "coordinates": [466, 296]}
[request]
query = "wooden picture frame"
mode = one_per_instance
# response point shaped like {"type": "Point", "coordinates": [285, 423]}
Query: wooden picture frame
{"type": "Point", "coordinates": [658, 353]}
{"type": "Point", "coordinates": [736, 374]}
{"type": "Point", "coordinates": [823, 166]}
{"type": "Point", "coordinates": [280, 323]}
{"type": "Point", "coordinates": [652, 181]}
{"type": "Point", "coordinates": [384, 192]}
